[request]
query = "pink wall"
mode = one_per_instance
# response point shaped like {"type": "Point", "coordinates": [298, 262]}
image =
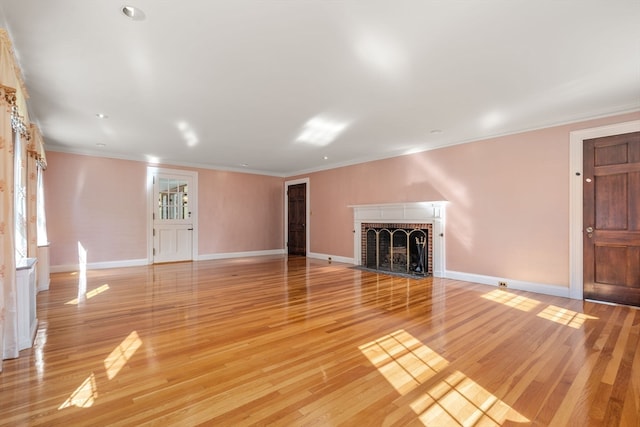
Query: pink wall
{"type": "Point", "coordinates": [508, 210]}
{"type": "Point", "coordinates": [87, 202]}
{"type": "Point", "coordinates": [239, 212]}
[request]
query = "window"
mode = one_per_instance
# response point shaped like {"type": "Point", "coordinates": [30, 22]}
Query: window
{"type": "Point", "coordinates": [20, 197]}
{"type": "Point", "coordinates": [43, 239]}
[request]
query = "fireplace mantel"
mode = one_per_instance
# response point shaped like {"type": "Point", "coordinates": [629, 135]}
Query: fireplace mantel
{"type": "Point", "coordinates": [432, 212]}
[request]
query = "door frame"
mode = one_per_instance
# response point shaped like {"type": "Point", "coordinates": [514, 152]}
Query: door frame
{"type": "Point", "coordinates": [307, 227]}
{"type": "Point", "coordinates": [576, 250]}
{"type": "Point", "coordinates": [152, 171]}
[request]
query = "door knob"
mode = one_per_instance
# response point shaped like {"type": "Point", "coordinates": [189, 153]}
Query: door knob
{"type": "Point", "coordinates": [589, 231]}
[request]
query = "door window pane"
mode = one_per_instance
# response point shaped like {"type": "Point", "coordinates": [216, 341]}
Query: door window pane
{"type": "Point", "coordinates": [173, 199]}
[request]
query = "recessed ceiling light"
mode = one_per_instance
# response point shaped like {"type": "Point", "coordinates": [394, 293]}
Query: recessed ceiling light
{"type": "Point", "coordinates": [326, 157]}
{"type": "Point", "coordinates": [133, 13]}
{"type": "Point", "coordinates": [101, 145]}
{"type": "Point", "coordinates": [435, 131]}
{"type": "Point", "coordinates": [244, 165]}
{"type": "Point", "coordinates": [102, 116]}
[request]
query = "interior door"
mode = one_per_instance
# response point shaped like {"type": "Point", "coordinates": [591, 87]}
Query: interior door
{"type": "Point", "coordinates": [172, 219]}
{"type": "Point", "coordinates": [297, 208]}
{"type": "Point", "coordinates": [611, 223]}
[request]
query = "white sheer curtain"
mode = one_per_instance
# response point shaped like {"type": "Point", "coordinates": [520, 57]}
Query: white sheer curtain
{"type": "Point", "coordinates": [13, 115]}
{"type": "Point", "coordinates": [41, 217]}
{"type": "Point", "coordinates": [36, 163]}
{"type": "Point", "coordinates": [8, 320]}
{"type": "Point", "coordinates": [20, 192]}
{"type": "Point", "coordinates": [19, 224]}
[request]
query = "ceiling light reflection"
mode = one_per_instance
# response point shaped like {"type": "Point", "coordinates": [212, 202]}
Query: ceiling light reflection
{"type": "Point", "coordinates": [382, 53]}
{"type": "Point", "coordinates": [153, 159]}
{"type": "Point", "coordinates": [414, 150]}
{"type": "Point", "coordinates": [492, 120]}
{"type": "Point", "coordinates": [188, 134]}
{"type": "Point", "coordinates": [321, 131]}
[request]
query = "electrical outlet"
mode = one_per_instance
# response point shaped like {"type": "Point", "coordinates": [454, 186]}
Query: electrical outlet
{"type": "Point", "coordinates": [502, 284]}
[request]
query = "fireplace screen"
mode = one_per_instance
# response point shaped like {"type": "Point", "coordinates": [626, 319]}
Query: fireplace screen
{"type": "Point", "coordinates": [398, 248]}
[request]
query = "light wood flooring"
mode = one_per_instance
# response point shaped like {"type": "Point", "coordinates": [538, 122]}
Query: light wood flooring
{"type": "Point", "coordinates": [295, 342]}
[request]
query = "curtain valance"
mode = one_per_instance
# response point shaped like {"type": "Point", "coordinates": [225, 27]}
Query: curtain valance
{"type": "Point", "coordinates": [35, 146]}
{"type": "Point", "coordinates": [15, 94]}
{"type": "Point", "coordinates": [11, 76]}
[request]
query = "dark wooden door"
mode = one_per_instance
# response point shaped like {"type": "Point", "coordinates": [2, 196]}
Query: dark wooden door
{"type": "Point", "coordinates": [611, 224]}
{"type": "Point", "coordinates": [297, 235]}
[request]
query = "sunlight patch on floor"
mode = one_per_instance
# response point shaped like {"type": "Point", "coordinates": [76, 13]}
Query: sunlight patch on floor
{"type": "Point", "coordinates": [87, 393]}
{"type": "Point", "coordinates": [82, 276]}
{"type": "Point", "coordinates": [84, 396]}
{"type": "Point", "coordinates": [458, 400]}
{"type": "Point", "coordinates": [92, 293]}
{"type": "Point", "coordinates": [121, 354]}
{"type": "Point", "coordinates": [403, 360]}
{"type": "Point", "coordinates": [511, 300]}
{"type": "Point", "coordinates": [564, 316]}
{"type": "Point", "coordinates": [406, 363]}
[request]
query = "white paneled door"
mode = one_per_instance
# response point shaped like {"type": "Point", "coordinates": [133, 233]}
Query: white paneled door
{"type": "Point", "coordinates": [173, 217]}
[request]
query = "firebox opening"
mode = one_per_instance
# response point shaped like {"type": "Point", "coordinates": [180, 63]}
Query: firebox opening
{"type": "Point", "coordinates": [398, 248]}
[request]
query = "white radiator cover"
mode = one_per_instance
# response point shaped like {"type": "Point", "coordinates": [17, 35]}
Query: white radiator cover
{"type": "Point", "coordinates": [26, 303]}
{"type": "Point", "coordinates": [43, 269]}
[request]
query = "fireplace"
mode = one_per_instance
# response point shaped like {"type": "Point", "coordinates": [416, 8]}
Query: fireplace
{"type": "Point", "coordinates": [403, 238]}
{"type": "Point", "coordinates": [397, 248]}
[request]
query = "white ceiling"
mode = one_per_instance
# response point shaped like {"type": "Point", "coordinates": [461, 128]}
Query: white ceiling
{"type": "Point", "coordinates": [243, 84]}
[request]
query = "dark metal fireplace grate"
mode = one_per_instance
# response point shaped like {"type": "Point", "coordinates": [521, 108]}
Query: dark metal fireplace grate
{"type": "Point", "coordinates": [398, 248]}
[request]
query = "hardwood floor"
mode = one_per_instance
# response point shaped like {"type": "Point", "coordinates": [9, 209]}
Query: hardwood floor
{"type": "Point", "coordinates": [291, 342]}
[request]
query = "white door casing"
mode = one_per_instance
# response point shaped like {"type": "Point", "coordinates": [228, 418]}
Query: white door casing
{"type": "Point", "coordinates": [173, 222]}
{"type": "Point", "coordinates": [576, 194]}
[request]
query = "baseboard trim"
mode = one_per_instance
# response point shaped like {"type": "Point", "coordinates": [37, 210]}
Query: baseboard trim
{"type": "Point", "coordinates": [140, 262]}
{"type": "Point", "coordinates": [228, 255]}
{"type": "Point", "coordinates": [538, 288]}
{"type": "Point", "coordinates": [326, 257]}
{"type": "Point", "coordinates": [100, 265]}
{"type": "Point", "coordinates": [43, 287]}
